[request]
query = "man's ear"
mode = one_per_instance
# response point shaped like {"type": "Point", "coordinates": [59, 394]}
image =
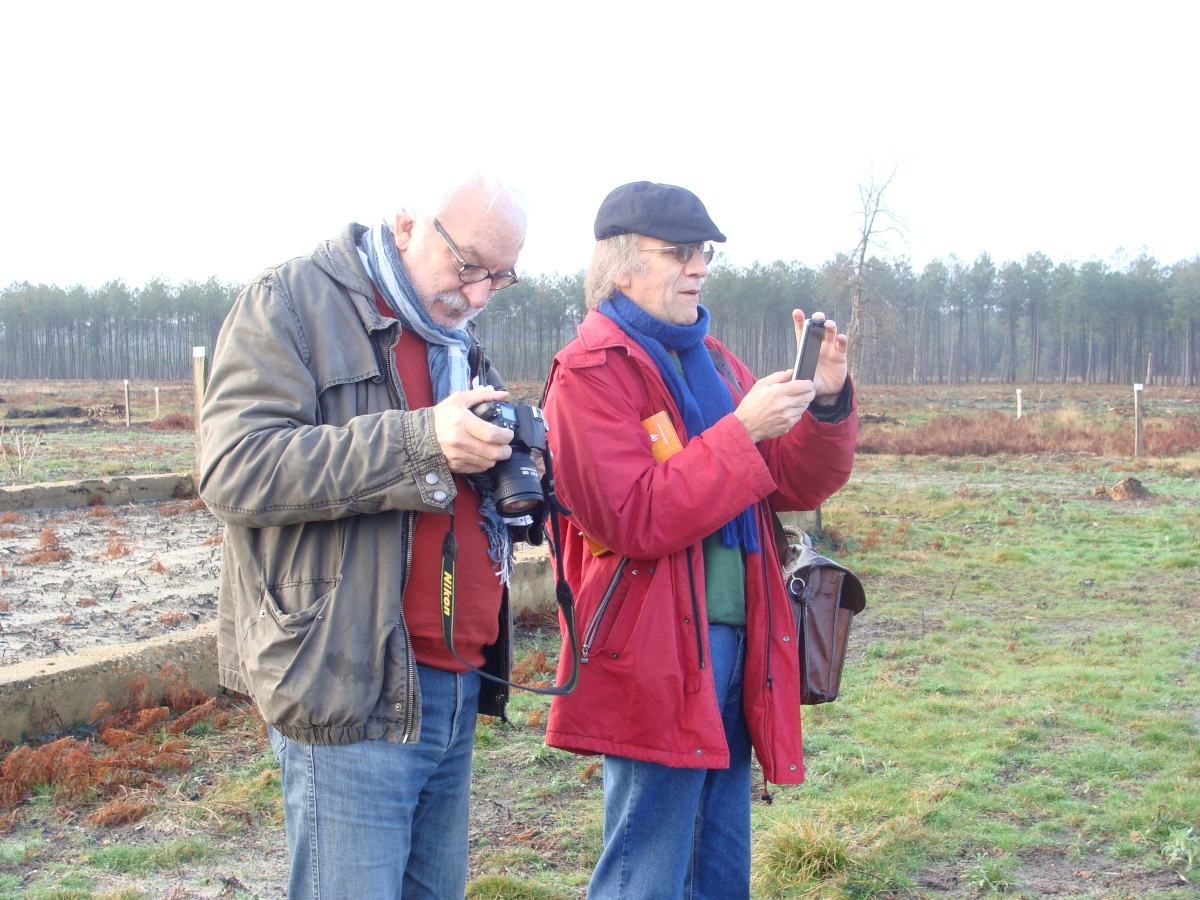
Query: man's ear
{"type": "Point", "coordinates": [403, 230]}
{"type": "Point", "coordinates": [624, 282]}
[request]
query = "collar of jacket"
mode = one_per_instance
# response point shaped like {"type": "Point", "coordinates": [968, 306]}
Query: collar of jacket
{"type": "Point", "coordinates": [598, 333]}
{"type": "Point", "coordinates": [338, 258]}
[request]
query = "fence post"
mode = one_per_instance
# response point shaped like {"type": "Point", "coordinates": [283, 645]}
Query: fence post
{"type": "Point", "coordinates": [1018, 403]}
{"type": "Point", "coordinates": [157, 414]}
{"type": "Point", "coordinates": [1137, 419]}
{"type": "Point", "coordinates": [126, 402]}
{"type": "Point", "coordinates": [199, 383]}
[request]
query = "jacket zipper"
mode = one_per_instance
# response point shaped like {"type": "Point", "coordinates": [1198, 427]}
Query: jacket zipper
{"type": "Point", "coordinates": [695, 610]}
{"type": "Point", "coordinates": [767, 588]}
{"type": "Point", "coordinates": [410, 712]}
{"type": "Point", "coordinates": [594, 624]}
{"type": "Point", "coordinates": [410, 519]}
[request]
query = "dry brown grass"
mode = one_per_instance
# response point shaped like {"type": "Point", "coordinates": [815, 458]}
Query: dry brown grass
{"type": "Point", "coordinates": [156, 565]}
{"type": "Point", "coordinates": [526, 669]}
{"type": "Point", "coordinates": [137, 741]}
{"type": "Point", "coordinates": [173, 422]}
{"type": "Point", "coordinates": [116, 549]}
{"type": "Point", "coordinates": [121, 811]}
{"type": "Point", "coordinates": [994, 432]}
{"type": "Point", "coordinates": [172, 618]}
{"type": "Point", "coordinates": [11, 518]}
{"type": "Point", "coordinates": [49, 549]}
{"type": "Point", "coordinates": [9, 533]}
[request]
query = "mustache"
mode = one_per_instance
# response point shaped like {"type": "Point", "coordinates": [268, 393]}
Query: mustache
{"type": "Point", "coordinates": [456, 302]}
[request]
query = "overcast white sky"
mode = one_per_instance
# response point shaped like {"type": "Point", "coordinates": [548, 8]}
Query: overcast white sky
{"type": "Point", "coordinates": [190, 140]}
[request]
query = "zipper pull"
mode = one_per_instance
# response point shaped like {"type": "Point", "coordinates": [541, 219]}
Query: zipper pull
{"type": "Point", "coordinates": [771, 683]}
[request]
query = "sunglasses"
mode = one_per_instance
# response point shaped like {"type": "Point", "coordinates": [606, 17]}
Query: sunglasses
{"type": "Point", "coordinates": [684, 253]}
{"type": "Point", "coordinates": [468, 273]}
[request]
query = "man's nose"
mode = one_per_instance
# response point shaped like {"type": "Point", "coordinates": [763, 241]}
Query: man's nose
{"type": "Point", "coordinates": [478, 293]}
{"type": "Point", "coordinates": [696, 265]}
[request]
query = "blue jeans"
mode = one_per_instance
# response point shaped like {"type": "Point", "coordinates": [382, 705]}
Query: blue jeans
{"type": "Point", "coordinates": [682, 834]}
{"type": "Point", "coordinates": [376, 820]}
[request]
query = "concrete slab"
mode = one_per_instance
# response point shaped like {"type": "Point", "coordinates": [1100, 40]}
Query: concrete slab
{"type": "Point", "coordinates": [89, 491]}
{"type": "Point", "coordinates": [49, 694]}
{"type": "Point", "coordinates": [44, 695]}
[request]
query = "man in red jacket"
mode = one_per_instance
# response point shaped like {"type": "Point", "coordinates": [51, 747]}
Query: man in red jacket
{"type": "Point", "coordinates": [667, 450]}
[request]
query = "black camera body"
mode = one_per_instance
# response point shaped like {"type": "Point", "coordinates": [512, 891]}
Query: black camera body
{"type": "Point", "coordinates": [516, 484]}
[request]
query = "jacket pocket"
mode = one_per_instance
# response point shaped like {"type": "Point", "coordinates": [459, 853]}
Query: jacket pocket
{"type": "Point", "coordinates": [612, 623]}
{"type": "Point", "coordinates": [307, 670]}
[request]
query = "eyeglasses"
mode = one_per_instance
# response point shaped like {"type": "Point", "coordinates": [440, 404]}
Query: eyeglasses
{"type": "Point", "coordinates": [684, 253]}
{"type": "Point", "coordinates": [468, 273]}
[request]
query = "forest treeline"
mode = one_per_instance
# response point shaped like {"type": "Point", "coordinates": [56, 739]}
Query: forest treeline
{"type": "Point", "coordinates": [951, 322]}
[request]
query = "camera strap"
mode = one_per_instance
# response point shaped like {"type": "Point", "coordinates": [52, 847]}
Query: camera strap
{"type": "Point", "coordinates": [562, 591]}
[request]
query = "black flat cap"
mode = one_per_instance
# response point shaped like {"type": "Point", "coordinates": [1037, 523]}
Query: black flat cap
{"type": "Point", "coordinates": [661, 211]}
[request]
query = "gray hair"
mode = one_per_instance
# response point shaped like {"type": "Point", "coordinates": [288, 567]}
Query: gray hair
{"type": "Point", "coordinates": [427, 201]}
{"type": "Point", "coordinates": [614, 257]}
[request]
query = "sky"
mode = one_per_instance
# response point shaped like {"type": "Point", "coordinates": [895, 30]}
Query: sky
{"type": "Point", "coordinates": [185, 141]}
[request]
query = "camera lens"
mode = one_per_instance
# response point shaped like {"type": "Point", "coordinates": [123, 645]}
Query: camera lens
{"type": "Point", "coordinates": [515, 485]}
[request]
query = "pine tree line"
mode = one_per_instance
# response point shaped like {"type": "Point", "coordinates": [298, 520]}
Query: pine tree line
{"type": "Point", "coordinates": [952, 322]}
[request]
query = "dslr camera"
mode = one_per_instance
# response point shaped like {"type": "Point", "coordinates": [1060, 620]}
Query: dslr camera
{"type": "Point", "coordinates": [516, 485]}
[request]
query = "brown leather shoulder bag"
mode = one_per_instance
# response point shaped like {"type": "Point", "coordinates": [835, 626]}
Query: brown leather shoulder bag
{"type": "Point", "coordinates": [825, 598]}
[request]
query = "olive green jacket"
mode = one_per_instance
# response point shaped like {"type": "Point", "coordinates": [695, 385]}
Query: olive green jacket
{"type": "Point", "coordinates": [318, 468]}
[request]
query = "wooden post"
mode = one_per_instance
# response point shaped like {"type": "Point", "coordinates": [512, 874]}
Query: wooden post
{"type": "Point", "coordinates": [1018, 403]}
{"type": "Point", "coordinates": [157, 414]}
{"type": "Point", "coordinates": [1137, 419]}
{"type": "Point", "coordinates": [199, 383]}
{"type": "Point", "coordinates": [126, 402]}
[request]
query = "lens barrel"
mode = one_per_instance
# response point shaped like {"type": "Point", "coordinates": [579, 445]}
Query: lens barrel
{"type": "Point", "coordinates": [516, 487]}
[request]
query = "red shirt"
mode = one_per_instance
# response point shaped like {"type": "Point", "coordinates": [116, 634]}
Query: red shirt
{"type": "Point", "coordinates": [479, 592]}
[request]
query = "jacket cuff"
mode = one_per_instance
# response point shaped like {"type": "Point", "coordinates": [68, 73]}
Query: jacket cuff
{"type": "Point", "coordinates": [424, 461]}
{"type": "Point", "coordinates": [839, 410]}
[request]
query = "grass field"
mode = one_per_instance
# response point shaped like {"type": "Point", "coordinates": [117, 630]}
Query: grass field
{"type": "Point", "coordinates": [1020, 715]}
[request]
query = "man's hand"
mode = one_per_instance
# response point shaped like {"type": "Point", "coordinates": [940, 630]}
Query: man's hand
{"type": "Point", "coordinates": [830, 376]}
{"type": "Point", "coordinates": [468, 442]}
{"type": "Point", "coordinates": [774, 405]}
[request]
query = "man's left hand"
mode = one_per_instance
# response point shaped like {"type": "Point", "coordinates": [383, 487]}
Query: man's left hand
{"type": "Point", "coordinates": [831, 365]}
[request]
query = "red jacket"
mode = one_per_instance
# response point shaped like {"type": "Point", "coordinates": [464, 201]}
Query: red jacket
{"type": "Point", "coordinates": [646, 689]}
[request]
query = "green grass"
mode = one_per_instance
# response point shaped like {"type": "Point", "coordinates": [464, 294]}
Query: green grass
{"type": "Point", "coordinates": [247, 797]}
{"type": "Point", "coordinates": [1030, 709]}
{"type": "Point", "coordinates": [99, 453]}
{"type": "Point", "coordinates": [1023, 682]}
{"type": "Point", "coordinates": [133, 858]}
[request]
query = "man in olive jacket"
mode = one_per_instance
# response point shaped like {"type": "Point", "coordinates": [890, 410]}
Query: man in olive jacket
{"type": "Point", "coordinates": [337, 437]}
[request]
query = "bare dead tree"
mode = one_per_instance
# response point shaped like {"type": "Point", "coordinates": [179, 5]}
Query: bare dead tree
{"type": "Point", "coordinates": [876, 221]}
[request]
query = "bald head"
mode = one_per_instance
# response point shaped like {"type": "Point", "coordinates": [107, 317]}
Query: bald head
{"type": "Point", "coordinates": [481, 218]}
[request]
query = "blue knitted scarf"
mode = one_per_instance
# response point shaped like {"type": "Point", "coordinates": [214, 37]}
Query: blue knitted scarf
{"type": "Point", "coordinates": [701, 395]}
{"type": "Point", "coordinates": [449, 370]}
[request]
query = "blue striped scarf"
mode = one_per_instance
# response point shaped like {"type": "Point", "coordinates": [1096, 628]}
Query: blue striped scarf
{"type": "Point", "coordinates": [449, 369]}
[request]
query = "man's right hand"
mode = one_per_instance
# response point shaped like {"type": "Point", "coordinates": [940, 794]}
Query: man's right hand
{"type": "Point", "coordinates": [468, 442]}
{"type": "Point", "coordinates": [774, 405]}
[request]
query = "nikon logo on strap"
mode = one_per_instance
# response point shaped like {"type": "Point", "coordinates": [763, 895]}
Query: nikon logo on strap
{"type": "Point", "coordinates": [447, 591]}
